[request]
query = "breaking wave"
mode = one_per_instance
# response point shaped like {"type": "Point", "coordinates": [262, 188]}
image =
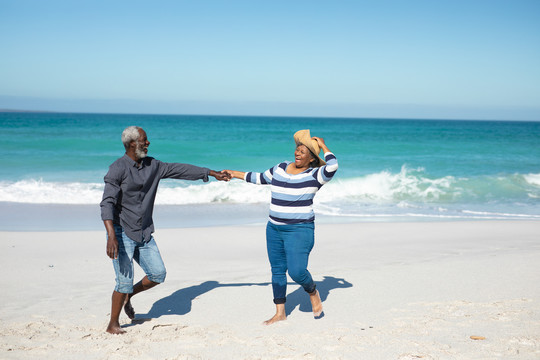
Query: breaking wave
{"type": "Point", "coordinates": [405, 191]}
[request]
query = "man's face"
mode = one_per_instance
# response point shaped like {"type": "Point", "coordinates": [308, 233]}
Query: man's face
{"type": "Point", "coordinates": [141, 145]}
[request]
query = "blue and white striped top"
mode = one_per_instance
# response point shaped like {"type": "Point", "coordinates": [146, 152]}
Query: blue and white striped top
{"type": "Point", "coordinates": [292, 194]}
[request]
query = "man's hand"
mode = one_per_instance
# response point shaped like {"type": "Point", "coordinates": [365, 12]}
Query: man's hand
{"type": "Point", "coordinates": [112, 246]}
{"type": "Point", "coordinates": [112, 241]}
{"type": "Point", "coordinates": [221, 175]}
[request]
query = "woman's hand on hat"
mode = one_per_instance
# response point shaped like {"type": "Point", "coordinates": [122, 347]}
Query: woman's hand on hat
{"type": "Point", "coordinates": [319, 140]}
{"type": "Point", "coordinates": [321, 143]}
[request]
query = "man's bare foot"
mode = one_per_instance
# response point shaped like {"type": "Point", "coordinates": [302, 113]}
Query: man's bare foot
{"type": "Point", "coordinates": [130, 312]}
{"type": "Point", "coordinates": [115, 329]}
{"type": "Point", "coordinates": [316, 304]}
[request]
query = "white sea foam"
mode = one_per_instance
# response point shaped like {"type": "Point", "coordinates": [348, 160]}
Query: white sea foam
{"type": "Point", "coordinates": [533, 179]}
{"type": "Point", "coordinates": [405, 187]}
{"type": "Point", "coordinates": [487, 213]}
{"type": "Point", "coordinates": [213, 192]}
{"type": "Point", "coordinates": [42, 192]}
{"type": "Point", "coordinates": [410, 192]}
{"type": "Point", "coordinates": [408, 184]}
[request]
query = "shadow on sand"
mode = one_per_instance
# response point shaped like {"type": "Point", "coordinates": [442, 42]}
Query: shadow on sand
{"type": "Point", "coordinates": [180, 302]}
{"type": "Point", "coordinates": [301, 299]}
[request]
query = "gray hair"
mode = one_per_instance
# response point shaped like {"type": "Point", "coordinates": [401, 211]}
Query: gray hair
{"type": "Point", "coordinates": [130, 134]}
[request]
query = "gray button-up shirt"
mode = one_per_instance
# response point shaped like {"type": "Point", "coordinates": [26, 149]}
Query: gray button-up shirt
{"type": "Point", "coordinates": [130, 192]}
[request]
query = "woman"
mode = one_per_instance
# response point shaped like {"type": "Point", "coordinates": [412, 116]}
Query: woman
{"type": "Point", "coordinates": [290, 229]}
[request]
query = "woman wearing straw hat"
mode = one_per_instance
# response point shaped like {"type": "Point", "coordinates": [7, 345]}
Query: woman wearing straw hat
{"type": "Point", "coordinates": [290, 229]}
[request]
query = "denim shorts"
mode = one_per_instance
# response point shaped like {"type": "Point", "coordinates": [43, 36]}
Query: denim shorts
{"type": "Point", "coordinates": [146, 254]}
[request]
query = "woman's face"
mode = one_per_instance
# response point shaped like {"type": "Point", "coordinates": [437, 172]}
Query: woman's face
{"type": "Point", "coordinates": [302, 156]}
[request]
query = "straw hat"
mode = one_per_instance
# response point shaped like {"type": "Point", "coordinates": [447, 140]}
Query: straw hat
{"type": "Point", "coordinates": [303, 137]}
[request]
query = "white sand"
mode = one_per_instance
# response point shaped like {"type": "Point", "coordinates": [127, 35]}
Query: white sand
{"type": "Point", "coordinates": [390, 291]}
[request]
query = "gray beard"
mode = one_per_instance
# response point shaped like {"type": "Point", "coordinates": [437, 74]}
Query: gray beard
{"type": "Point", "coordinates": [140, 153]}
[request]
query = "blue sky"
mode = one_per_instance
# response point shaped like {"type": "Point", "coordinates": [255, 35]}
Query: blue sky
{"type": "Point", "coordinates": [426, 59]}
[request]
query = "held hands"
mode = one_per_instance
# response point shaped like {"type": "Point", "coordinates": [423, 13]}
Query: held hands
{"type": "Point", "coordinates": [235, 174]}
{"type": "Point", "coordinates": [222, 175]}
{"type": "Point", "coordinates": [227, 175]}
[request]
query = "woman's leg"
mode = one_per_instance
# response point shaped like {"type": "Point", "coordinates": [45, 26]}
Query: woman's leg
{"type": "Point", "coordinates": [316, 304]}
{"type": "Point", "coordinates": [278, 263]}
{"type": "Point", "coordinates": [299, 241]}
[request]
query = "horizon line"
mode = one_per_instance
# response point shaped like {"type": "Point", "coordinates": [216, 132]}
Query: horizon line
{"type": "Point", "coordinates": [27, 111]}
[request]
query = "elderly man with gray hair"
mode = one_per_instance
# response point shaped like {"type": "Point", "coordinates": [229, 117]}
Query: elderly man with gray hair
{"type": "Point", "coordinates": [126, 210]}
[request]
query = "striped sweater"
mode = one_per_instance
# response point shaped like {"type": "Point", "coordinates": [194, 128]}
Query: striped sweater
{"type": "Point", "coordinates": [292, 194]}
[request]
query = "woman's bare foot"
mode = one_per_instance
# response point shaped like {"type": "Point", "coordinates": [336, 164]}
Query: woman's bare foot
{"type": "Point", "coordinates": [316, 304]}
{"type": "Point", "coordinates": [279, 316]}
{"type": "Point", "coordinates": [130, 312]}
{"type": "Point", "coordinates": [275, 318]}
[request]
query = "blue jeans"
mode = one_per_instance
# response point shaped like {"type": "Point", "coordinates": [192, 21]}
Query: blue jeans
{"type": "Point", "coordinates": [146, 254]}
{"type": "Point", "coordinates": [288, 249]}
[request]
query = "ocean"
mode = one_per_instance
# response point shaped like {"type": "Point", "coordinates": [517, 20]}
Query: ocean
{"type": "Point", "coordinates": [389, 169]}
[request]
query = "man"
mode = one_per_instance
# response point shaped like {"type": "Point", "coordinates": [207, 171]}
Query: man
{"type": "Point", "coordinates": [126, 210]}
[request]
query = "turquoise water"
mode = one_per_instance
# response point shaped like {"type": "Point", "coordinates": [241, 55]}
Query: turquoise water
{"type": "Point", "coordinates": [388, 168]}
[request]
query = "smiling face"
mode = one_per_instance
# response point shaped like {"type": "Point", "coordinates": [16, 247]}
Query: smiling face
{"type": "Point", "coordinates": [141, 145]}
{"type": "Point", "coordinates": [302, 157]}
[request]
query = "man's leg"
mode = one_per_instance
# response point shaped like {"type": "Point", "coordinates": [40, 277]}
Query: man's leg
{"type": "Point", "coordinates": [149, 258]}
{"type": "Point", "coordinates": [117, 303]}
{"type": "Point", "coordinates": [142, 285]}
{"type": "Point", "coordinates": [123, 267]}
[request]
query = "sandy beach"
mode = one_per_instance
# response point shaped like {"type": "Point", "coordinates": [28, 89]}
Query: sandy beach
{"type": "Point", "coordinates": [390, 291]}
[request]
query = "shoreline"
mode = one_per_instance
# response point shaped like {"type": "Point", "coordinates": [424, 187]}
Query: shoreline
{"type": "Point", "coordinates": [390, 291]}
{"type": "Point", "coordinates": [70, 217]}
